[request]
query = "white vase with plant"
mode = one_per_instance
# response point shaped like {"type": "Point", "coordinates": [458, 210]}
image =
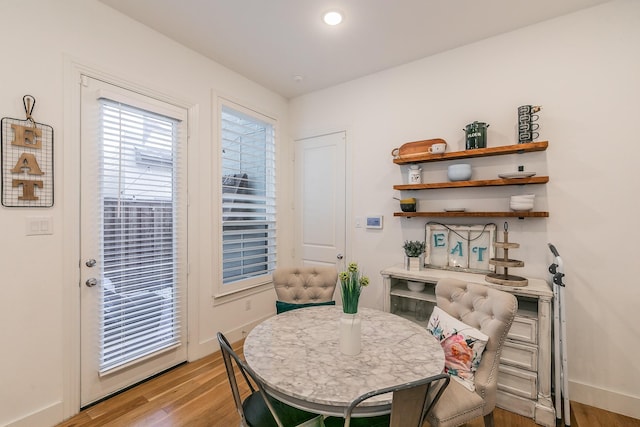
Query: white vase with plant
{"type": "Point", "coordinates": [351, 284]}
{"type": "Point", "coordinates": [414, 251]}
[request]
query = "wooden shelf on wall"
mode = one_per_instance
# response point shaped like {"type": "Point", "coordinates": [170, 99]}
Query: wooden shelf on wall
{"type": "Point", "coordinates": [507, 214]}
{"type": "Point", "coordinates": [478, 152]}
{"type": "Point", "coordinates": [475, 183]}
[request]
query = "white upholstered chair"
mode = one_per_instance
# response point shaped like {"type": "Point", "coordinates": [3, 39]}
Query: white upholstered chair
{"type": "Point", "coordinates": [298, 287]}
{"type": "Point", "coordinates": [491, 311]}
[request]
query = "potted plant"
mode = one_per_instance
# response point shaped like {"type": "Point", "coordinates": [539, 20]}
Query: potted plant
{"type": "Point", "coordinates": [351, 284]}
{"type": "Point", "coordinates": [414, 251]}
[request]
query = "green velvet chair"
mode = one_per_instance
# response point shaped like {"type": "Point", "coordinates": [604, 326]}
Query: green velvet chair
{"type": "Point", "coordinates": [259, 409]}
{"type": "Point", "coordinates": [411, 404]}
{"type": "Point", "coordinates": [299, 287]}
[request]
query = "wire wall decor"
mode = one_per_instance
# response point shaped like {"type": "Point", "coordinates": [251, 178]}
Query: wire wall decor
{"type": "Point", "coordinates": [26, 160]}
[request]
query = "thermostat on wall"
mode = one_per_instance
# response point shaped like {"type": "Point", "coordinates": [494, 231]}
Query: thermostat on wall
{"type": "Point", "coordinates": [374, 221]}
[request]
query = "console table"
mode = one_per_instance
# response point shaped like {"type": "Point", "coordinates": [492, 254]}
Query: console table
{"type": "Point", "coordinates": [524, 378]}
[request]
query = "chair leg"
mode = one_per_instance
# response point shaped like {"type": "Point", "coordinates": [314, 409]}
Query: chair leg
{"type": "Point", "coordinates": [488, 420]}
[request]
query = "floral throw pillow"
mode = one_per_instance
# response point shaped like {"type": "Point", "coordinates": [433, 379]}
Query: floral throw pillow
{"type": "Point", "coordinates": [462, 344]}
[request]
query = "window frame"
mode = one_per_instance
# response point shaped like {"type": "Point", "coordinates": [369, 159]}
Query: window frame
{"type": "Point", "coordinates": [230, 291]}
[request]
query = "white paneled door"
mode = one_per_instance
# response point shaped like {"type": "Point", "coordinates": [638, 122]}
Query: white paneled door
{"type": "Point", "coordinates": [320, 199]}
{"type": "Point", "coordinates": [132, 238]}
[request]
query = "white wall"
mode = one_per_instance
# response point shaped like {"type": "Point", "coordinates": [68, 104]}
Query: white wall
{"type": "Point", "coordinates": [41, 38]}
{"type": "Point", "coordinates": [584, 70]}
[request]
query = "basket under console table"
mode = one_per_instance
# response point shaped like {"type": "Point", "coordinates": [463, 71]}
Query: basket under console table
{"type": "Point", "coordinates": [524, 378]}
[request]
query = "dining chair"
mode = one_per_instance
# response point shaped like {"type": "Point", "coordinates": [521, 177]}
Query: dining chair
{"type": "Point", "coordinates": [410, 404]}
{"type": "Point", "coordinates": [299, 287]}
{"type": "Point", "coordinates": [259, 409]}
{"type": "Point", "coordinates": [490, 311]}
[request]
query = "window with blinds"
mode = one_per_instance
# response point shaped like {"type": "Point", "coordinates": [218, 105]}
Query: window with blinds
{"type": "Point", "coordinates": [248, 197]}
{"type": "Point", "coordinates": [138, 178]}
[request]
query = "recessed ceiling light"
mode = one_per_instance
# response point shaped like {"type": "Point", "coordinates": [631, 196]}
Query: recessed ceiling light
{"type": "Point", "coordinates": [332, 18]}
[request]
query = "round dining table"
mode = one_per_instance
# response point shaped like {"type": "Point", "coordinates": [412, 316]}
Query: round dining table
{"type": "Point", "coordinates": [297, 356]}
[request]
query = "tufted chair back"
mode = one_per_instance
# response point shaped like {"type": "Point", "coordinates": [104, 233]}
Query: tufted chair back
{"type": "Point", "coordinates": [491, 311]}
{"type": "Point", "coordinates": [303, 285]}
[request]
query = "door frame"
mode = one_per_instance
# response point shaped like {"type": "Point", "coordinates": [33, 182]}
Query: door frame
{"type": "Point", "coordinates": [70, 157]}
{"type": "Point", "coordinates": [348, 231]}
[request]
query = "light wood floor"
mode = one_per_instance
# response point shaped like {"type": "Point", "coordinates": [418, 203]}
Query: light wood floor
{"type": "Point", "coordinates": [198, 394]}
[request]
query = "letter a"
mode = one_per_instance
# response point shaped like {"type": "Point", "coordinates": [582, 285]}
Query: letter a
{"type": "Point", "coordinates": [457, 248]}
{"type": "Point", "coordinates": [27, 161]}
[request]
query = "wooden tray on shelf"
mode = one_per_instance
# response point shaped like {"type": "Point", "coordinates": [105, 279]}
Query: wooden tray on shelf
{"type": "Point", "coordinates": [415, 149]}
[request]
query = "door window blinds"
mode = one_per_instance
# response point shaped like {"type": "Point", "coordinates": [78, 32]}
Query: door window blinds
{"type": "Point", "coordinates": [248, 197]}
{"type": "Point", "coordinates": [138, 181]}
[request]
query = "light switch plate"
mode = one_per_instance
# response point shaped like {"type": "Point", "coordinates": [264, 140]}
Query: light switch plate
{"type": "Point", "coordinates": [39, 225]}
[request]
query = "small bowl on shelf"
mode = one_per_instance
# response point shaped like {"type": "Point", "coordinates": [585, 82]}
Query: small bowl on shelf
{"type": "Point", "coordinates": [408, 205]}
{"type": "Point", "coordinates": [459, 172]}
{"type": "Point", "coordinates": [522, 203]}
{"type": "Point", "coordinates": [520, 207]}
{"type": "Point", "coordinates": [523, 198]}
{"type": "Point", "coordinates": [415, 286]}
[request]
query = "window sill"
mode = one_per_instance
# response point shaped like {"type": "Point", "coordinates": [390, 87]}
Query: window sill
{"type": "Point", "coordinates": [235, 295]}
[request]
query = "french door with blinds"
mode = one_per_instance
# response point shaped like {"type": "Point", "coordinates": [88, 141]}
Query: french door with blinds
{"type": "Point", "coordinates": [133, 238]}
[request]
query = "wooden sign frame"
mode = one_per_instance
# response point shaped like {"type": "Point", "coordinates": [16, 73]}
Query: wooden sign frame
{"type": "Point", "coordinates": [460, 247]}
{"type": "Point", "coordinates": [26, 159]}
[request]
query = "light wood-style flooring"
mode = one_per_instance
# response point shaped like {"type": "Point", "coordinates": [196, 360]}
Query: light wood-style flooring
{"type": "Point", "coordinates": [198, 394]}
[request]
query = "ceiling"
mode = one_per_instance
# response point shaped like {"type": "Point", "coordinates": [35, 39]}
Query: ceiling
{"type": "Point", "coordinates": [284, 45]}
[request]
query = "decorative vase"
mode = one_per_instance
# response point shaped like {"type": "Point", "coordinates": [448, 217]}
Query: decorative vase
{"type": "Point", "coordinates": [412, 263]}
{"type": "Point", "coordinates": [350, 334]}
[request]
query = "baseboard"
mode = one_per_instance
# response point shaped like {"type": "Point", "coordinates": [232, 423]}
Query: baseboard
{"type": "Point", "coordinates": [241, 332]}
{"type": "Point", "coordinates": [210, 345]}
{"type": "Point", "coordinates": [49, 416]}
{"type": "Point", "coordinates": [605, 399]}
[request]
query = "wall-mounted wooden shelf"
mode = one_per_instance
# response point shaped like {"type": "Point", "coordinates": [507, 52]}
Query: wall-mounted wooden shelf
{"type": "Point", "coordinates": [507, 214]}
{"type": "Point", "coordinates": [475, 183]}
{"type": "Point", "coordinates": [478, 152]}
{"type": "Point", "coordinates": [467, 154]}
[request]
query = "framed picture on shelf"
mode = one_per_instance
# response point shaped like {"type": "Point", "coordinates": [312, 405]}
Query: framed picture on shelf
{"type": "Point", "coordinates": [460, 247]}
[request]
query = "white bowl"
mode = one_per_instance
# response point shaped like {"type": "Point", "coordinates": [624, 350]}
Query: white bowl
{"type": "Point", "coordinates": [521, 206]}
{"type": "Point", "coordinates": [522, 202]}
{"type": "Point", "coordinates": [415, 286]}
{"type": "Point", "coordinates": [523, 198]}
{"type": "Point", "coordinates": [459, 172]}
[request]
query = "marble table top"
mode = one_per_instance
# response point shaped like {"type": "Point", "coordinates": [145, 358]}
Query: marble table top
{"type": "Point", "coordinates": [297, 356]}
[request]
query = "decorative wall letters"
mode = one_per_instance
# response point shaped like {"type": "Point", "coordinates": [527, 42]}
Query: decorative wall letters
{"type": "Point", "coordinates": [460, 247]}
{"type": "Point", "coordinates": [27, 160]}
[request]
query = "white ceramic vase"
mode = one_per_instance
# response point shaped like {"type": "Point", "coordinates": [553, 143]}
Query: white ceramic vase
{"type": "Point", "coordinates": [350, 334]}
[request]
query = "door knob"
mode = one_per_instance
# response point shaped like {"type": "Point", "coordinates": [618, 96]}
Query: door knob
{"type": "Point", "coordinates": [91, 282]}
{"type": "Point", "coordinates": [90, 262]}
{"type": "Point", "coordinates": [339, 256]}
